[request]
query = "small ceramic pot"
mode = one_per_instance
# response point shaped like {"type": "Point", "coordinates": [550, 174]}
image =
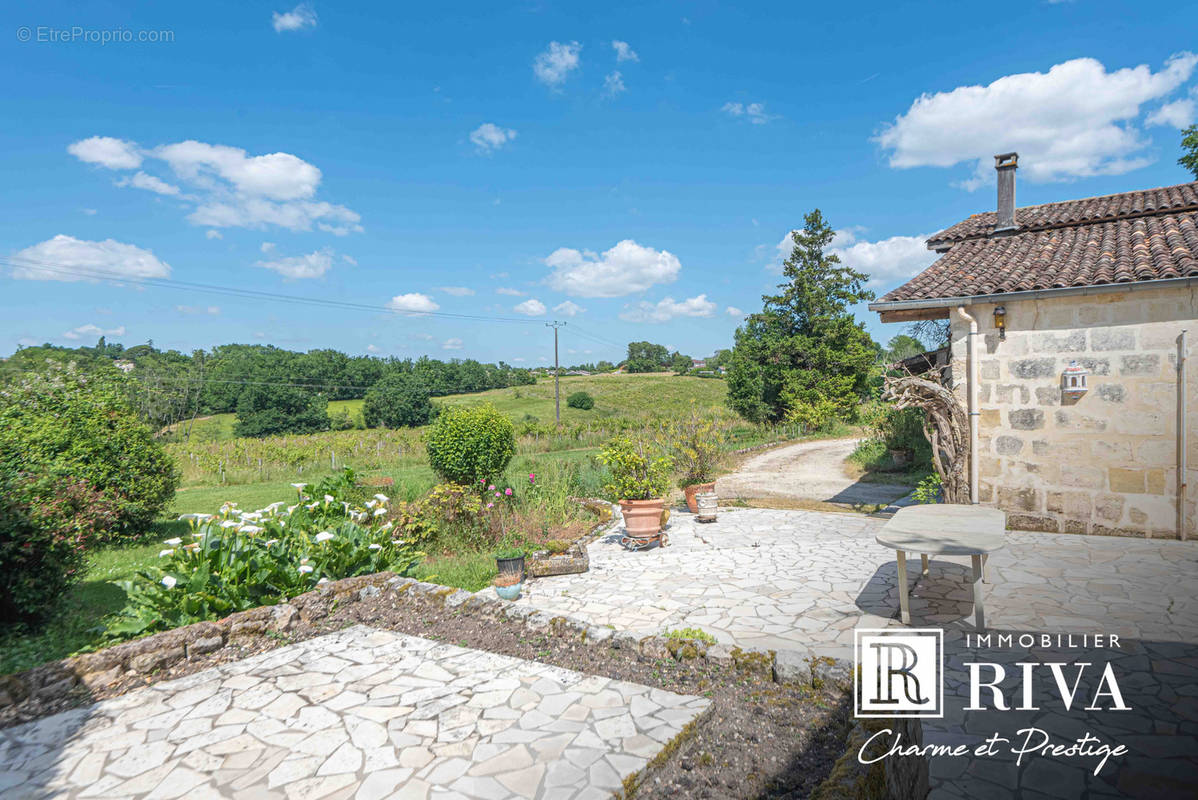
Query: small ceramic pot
{"type": "Point", "coordinates": [509, 592]}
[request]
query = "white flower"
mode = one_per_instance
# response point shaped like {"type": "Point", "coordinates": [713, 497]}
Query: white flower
{"type": "Point", "coordinates": [375, 547]}
{"type": "Point", "coordinates": [251, 517]}
{"type": "Point", "coordinates": [291, 509]}
{"type": "Point", "coordinates": [230, 523]}
{"type": "Point", "coordinates": [175, 542]}
{"type": "Point", "coordinates": [251, 529]}
{"type": "Point", "coordinates": [169, 581]}
{"type": "Point", "coordinates": [305, 568]}
{"type": "Point", "coordinates": [205, 516]}
{"type": "Point", "coordinates": [299, 487]}
{"type": "Point", "coordinates": [386, 526]}
{"type": "Point", "coordinates": [328, 498]}
{"type": "Point", "coordinates": [324, 536]}
{"type": "Point", "coordinates": [397, 541]}
{"type": "Point", "coordinates": [269, 542]}
{"type": "Point", "coordinates": [312, 506]}
{"type": "Point", "coordinates": [189, 516]}
{"type": "Point", "coordinates": [322, 580]}
{"type": "Point", "coordinates": [378, 512]}
{"type": "Point", "coordinates": [162, 553]}
{"type": "Point", "coordinates": [371, 503]}
{"type": "Point", "coordinates": [382, 498]}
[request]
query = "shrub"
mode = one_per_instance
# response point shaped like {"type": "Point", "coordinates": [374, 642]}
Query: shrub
{"type": "Point", "coordinates": [469, 445]}
{"type": "Point", "coordinates": [695, 444]}
{"type": "Point", "coordinates": [929, 489]}
{"type": "Point", "coordinates": [399, 400]}
{"type": "Point", "coordinates": [46, 524]}
{"type": "Point", "coordinates": [83, 425]}
{"type": "Point", "coordinates": [238, 560]}
{"type": "Point", "coordinates": [636, 473]}
{"type": "Point", "coordinates": [272, 410]}
{"type": "Point", "coordinates": [581, 400]}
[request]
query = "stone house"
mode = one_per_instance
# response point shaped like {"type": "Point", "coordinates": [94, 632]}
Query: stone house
{"type": "Point", "coordinates": [1083, 313]}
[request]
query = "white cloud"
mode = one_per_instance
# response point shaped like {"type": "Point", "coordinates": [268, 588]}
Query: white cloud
{"type": "Point", "coordinates": [107, 152]}
{"type": "Point", "coordinates": [234, 189]}
{"type": "Point", "coordinates": [452, 344]}
{"type": "Point", "coordinates": [373, 348]}
{"type": "Point", "coordinates": [1076, 120]}
{"type": "Point", "coordinates": [624, 52]}
{"type": "Point", "coordinates": [753, 112]}
{"type": "Point", "coordinates": [91, 212]}
{"type": "Point", "coordinates": [92, 331]}
{"type": "Point", "coordinates": [733, 311]}
{"type": "Point", "coordinates": [298, 18]}
{"type": "Point", "coordinates": [212, 311]}
{"type": "Point", "coordinates": [625, 269]}
{"type": "Point", "coordinates": [39, 262]}
{"type": "Point", "coordinates": [553, 66]}
{"type": "Point", "coordinates": [212, 233]}
{"type": "Point", "coordinates": [532, 307]}
{"type": "Point", "coordinates": [668, 309]}
{"type": "Point", "coordinates": [568, 309]}
{"type": "Point", "coordinates": [413, 301]}
{"type": "Point", "coordinates": [348, 259]}
{"type": "Point", "coordinates": [267, 247]}
{"type": "Point", "coordinates": [150, 183]}
{"type": "Point", "coordinates": [887, 261]}
{"type": "Point", "coordinates": [510, 292]}
{"type": "Point", "coordinates": [613, 84]}
{"type": "Point", "coordinates": [312, 265]}
{"type": "Point", "coordinates": [456, 291]}
{"type": "Point", "coordinates": [489, 137]}
{"type": "Point", "coordinates": [1178, 114]}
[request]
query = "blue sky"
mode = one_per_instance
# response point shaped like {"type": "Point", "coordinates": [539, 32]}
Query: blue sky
{"type": "Point", "coordinates": [630, 170]}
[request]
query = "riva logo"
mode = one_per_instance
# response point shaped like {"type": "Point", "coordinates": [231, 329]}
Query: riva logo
{"type": "Point", "coordinates": [900, 673]}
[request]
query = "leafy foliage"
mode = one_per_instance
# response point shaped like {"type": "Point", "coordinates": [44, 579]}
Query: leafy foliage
{"type": "Point", "coordinates": [469, 445]}
{"type": "Point", "coordinates": [238, 560]}
{"type": "Point", "coordinates": [929, 489]}
{"type": "Point", "coordinates": [695, 443]}
{"type": "Point", "coordinates": [399, 400]}
{"type": "Point", "coordinates": [82, 424]}
{"type": "Point", "coordinates": [637, 473]}
{"type": "Point", "coordinates": [46, 524]}
{"type": "Point", "coordinates": [581, 401]}
{"type": "Point", "coordinates": [804, 350]}
{"type": "Point", "coordinates": [646, 357]}
{"type": "Point", "coordinates": [274, 410]}
{"type": "Point", "coordinates": [1189, 147]}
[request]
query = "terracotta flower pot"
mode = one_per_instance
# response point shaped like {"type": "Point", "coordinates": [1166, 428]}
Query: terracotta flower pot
{"type": "Point", "coordinates": [642, 518]}
{"type": "Point", "coordinates": [694, 489]}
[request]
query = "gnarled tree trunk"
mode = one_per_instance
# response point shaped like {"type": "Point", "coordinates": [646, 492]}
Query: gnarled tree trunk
{"type": "Point", "coordinates": [946, 425]}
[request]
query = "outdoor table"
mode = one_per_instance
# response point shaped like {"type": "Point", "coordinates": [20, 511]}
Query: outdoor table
{"type": "Point", "coordinates": [945, 530]}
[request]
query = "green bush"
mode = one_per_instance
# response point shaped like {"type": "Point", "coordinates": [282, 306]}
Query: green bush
{"type": "Point", "coordinates": [237, 560]}
{"type": "Point", "coordinates": [46, 524]}
{"type": "Point", "coordinates": [84, 425]}
{"type": "Point", "coordinates": [399, 400]}
{"type": "Point", "coordinates": [637, 473]}
{"type": "Point", "coordinates": [275, 410]}
{"type": "Point", "coordinates": [581, 400]}
{"type": "Point", "coordinates": [471, 445]}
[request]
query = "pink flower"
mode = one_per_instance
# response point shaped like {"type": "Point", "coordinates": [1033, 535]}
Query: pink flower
{"type": "Point", "coordinates": [508, 491]}
{"type": "Point", "coordinates": [497, 494]}
{"type": "Point", "coordinates": [491, 488]}
{"type": "Point", "coordinates": [532, 477]}
{"type": "Point", "coordinates": [490, 505]}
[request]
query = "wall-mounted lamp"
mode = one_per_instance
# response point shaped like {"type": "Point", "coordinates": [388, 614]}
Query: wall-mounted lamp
{"type": "Point", "coordinates": [1000, 321]}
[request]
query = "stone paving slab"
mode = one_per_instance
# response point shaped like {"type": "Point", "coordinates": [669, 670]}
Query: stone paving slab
{"type": "Point", "coordinates": [362, 713]}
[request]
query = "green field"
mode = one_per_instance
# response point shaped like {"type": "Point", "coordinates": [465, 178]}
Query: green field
{"type": "Point", "coordinates": [635, 397]}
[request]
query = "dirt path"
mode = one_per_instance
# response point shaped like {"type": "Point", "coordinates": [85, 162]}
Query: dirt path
{"type": "Point", "coordinates": [805, 473]}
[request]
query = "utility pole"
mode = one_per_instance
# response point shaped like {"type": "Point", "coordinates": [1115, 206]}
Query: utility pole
{"type": "Point", "coordinates": [557, 396]}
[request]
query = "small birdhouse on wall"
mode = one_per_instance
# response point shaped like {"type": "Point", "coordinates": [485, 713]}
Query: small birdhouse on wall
{"type": "Point", "coordinates": [1074, 380]}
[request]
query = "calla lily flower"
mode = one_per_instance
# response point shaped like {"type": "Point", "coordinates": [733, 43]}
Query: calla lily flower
{"type": "Point", "coordinates": [169, 581]}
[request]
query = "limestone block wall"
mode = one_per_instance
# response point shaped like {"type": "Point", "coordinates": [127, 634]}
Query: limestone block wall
{"type": "Point", "coordinates": [1105, 463]}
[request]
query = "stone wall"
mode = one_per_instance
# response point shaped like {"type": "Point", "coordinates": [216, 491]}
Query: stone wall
{"type": "Point", "coordinates": [1105, 463]}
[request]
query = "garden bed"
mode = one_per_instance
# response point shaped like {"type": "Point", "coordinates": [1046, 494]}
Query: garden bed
{"type": "Point", "coordinates": [763, 737]}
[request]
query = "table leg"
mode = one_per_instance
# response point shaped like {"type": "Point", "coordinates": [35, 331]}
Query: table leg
{"type": "Point", "coordinates": [979, 611]}
{"type": "Point", "coordinates": [924, 558]}
{"type": "Point", "coordinates": [985, 568]}
{"type": "Point", "coordinates": [904, 604]}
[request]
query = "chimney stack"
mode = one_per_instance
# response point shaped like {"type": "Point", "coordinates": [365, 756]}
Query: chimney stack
{"type": "Point", "coordinates": [1005, 165]}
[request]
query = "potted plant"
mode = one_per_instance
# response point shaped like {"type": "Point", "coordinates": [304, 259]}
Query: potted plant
{"type": "Point", "coordinates": [508, 586]}
{"type": "Point", "coordinates": [695, 444]}
{"type": "Point", "coordinates": [510, 561]}
{"type": "Point", "coordinates": [639, 480]}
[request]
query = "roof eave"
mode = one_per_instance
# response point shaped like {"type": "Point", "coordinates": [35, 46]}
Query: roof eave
{"type": "Point", "coordinates": [900, 310]}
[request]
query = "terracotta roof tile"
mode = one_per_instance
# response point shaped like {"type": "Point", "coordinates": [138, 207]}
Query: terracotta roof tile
{"type": "Point", "coordinates": [1122, 238]}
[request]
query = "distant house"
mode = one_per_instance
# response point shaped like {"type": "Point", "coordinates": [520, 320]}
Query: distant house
{"type": "Point", "coordinates": [1086, 312]}
{"type": "Point", "coordinates": [699, 363]}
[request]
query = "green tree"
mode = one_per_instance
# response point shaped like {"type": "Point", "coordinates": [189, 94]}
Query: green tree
{"type": "Point", "coordinates": [803, 351]}
{"type": "Point", "coordinates": [399, 400]}
{"type": "Point", "coordinates": [646, 357]}
{"type": "Point", "coordinates": [680, 364]}
{"type": "Point", "coordinates": [903, 346]}
{"type": "Point", "coordinates": [274, 410]}
{"type": "Point", "coordinates": [1189, 147]}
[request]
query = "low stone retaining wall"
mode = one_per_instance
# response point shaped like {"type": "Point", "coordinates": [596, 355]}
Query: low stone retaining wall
{"type": "Point", "coordinates": [54, 685]}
